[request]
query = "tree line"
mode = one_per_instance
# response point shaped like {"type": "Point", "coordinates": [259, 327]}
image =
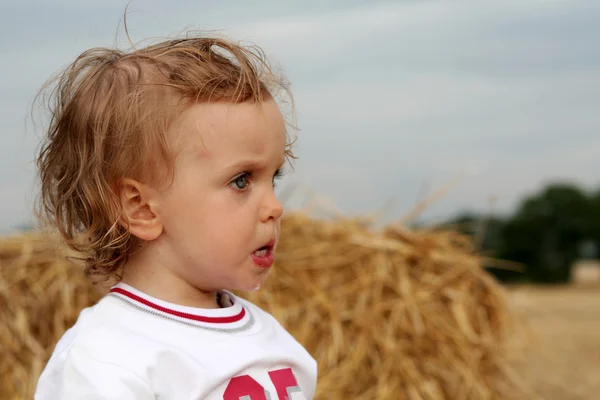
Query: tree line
{"type": "Point", "coordinates": [548, 232]}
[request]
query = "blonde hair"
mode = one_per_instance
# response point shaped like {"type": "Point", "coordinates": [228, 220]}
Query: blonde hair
{"type": "Point", "coordinates": [109, 114]}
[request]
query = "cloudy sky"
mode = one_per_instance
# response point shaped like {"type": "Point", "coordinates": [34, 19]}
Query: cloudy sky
{"type": "Point", "coordinates": [394, 99]}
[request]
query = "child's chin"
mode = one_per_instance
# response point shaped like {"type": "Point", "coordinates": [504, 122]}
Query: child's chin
{"type": "Point", "coordinates": [253, 287]}
{"type": "Point", "coordinates": [252, 283]}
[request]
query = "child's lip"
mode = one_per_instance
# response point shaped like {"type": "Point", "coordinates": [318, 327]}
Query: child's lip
{"type": "Point", "coordinates": [268, 246]}
{"type": "Point", "coordinates": [265, 261]}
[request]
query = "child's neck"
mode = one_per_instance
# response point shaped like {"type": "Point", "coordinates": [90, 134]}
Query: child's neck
{"type": "Point", "coordinates": [145, 274]}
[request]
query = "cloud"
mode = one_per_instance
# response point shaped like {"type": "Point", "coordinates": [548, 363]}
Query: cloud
{"type": "Point", "coordinates": [391, 96]}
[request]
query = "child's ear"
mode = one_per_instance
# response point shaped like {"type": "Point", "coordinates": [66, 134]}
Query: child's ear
{"type": "Point", "coordinates": [138, 215]}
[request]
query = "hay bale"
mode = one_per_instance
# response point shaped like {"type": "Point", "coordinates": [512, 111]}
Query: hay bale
{"type": "Point", "coordinates": [41, 295]}
{"type": "Point", "coordinates": [388, 315]}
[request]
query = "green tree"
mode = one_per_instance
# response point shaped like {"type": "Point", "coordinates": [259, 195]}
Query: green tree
{"type": "Point", "coordinates": [546, 232]}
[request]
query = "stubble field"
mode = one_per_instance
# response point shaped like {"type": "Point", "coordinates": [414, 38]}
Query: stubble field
{"type": "Point", "coordinates": [564, 358]}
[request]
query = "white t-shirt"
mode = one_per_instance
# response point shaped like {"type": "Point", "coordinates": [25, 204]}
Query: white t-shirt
{"type": "Point", "coordinates": [133, 346]}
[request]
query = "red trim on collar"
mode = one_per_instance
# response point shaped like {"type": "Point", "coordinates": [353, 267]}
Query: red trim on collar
{"type": "Point", "coordinates": [200, 318]}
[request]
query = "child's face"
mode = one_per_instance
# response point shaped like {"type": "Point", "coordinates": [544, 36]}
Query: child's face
{"type": "Point", "coordinates": [221, 206]}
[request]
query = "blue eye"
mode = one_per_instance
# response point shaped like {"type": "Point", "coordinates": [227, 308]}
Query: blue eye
{"type": "Point", "coordinates": [241, 182]}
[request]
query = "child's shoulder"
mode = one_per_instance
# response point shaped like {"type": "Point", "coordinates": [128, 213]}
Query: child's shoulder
{"type": "Point", "coordinates": [269, 322]}
{"type": "Point", "coordinates": [118, 324]}
{"type": "Point", "coordinates": [155, 349]}
{"type": "Point", "coordinates": [92, 355]}
{"type": "Point", "coordinates": [265, 316]}
{"type": "Point", "coordinates": [99, 334]}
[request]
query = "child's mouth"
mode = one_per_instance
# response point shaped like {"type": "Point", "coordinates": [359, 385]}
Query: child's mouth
{"type": "Point", "coordinates": [262, 252]}
{"type": "Point", "coordinates": [263, 257]}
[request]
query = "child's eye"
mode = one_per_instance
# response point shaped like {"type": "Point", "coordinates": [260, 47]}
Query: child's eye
{"type": "Point", "coordinates": [241, 182]}
{"type": "Point", "coordinates": [278, 175]}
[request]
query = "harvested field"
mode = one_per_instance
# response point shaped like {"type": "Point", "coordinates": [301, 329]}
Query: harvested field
{"type": "Point", "coordinates": [565, 322]}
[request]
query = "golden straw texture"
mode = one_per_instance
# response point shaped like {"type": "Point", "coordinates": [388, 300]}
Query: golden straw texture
{"type": "Point", "coordinates": [397, 314]}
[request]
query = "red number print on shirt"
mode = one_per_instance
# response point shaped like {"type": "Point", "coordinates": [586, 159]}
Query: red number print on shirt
{"type": "Point", "coordinates": [284, 382]}
{"type": "Point", "coordinates": [246, 388]}
{"type": "Point", "coordinates": [244, 385]}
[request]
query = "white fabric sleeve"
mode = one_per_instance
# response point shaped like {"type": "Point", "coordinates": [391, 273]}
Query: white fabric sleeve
{"type": "Point", "coordinates": [83, 377]}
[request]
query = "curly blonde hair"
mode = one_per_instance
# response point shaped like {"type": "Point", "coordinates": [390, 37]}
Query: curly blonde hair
{"type": "Point", "coordinates": [109, 114]}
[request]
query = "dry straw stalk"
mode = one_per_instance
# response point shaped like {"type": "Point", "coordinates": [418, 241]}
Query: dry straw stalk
{"type": "Point", "coordinates": [395, 314]}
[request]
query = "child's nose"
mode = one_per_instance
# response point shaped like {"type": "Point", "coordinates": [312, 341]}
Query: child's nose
{"type": "Point", "coordinates": [273, 209]}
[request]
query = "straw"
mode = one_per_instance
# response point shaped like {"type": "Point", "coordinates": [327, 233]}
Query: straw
{"type": "Point", "coordinates": [391, 314]}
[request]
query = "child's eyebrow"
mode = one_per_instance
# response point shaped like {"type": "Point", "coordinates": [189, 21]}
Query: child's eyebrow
{"type": "Point", "coordinates": [250, 164]}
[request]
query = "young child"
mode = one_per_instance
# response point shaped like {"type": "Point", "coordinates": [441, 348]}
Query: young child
{"type": "Point", "coordinates": [159, 167]}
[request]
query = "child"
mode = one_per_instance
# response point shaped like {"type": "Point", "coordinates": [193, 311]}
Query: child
{"type": "Point", "coordinates": [159, 166]}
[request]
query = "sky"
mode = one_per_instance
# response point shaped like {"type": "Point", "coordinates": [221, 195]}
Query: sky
{"type": "Point", "coordinates": [393, 99]}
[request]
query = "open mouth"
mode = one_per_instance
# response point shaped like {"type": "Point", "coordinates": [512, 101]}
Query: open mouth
{"type": "Point", "coordinates": [263, 256]}
{"type": "Point", "coordinates": [263, 251]}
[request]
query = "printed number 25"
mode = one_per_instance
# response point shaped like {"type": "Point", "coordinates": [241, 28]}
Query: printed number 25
{"type": "Point", "coordinates": [246, 388]}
